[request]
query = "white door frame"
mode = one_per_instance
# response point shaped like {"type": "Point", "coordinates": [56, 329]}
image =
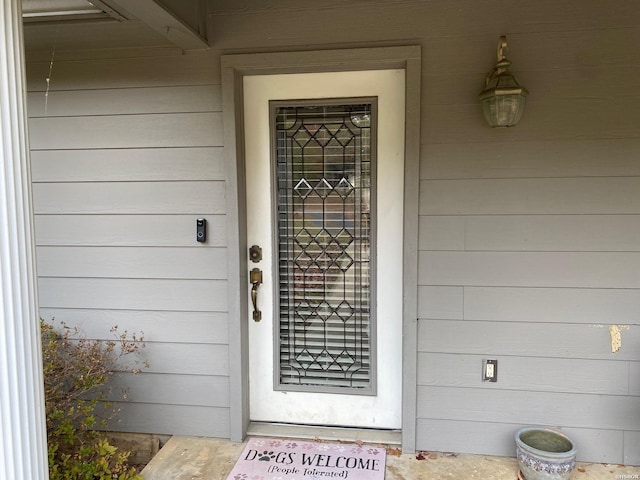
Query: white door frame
{"type": "Point", "coordinates": [234, 68]}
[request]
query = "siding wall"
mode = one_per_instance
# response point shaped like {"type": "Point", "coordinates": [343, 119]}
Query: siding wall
{"type": "Point", "coordinates": [529, 237]}
{"type": "Point", "coordinates": [126, 154]}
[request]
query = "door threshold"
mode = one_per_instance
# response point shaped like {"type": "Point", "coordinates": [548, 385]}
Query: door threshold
{"type": "Point", "coordinates": [307, 432]}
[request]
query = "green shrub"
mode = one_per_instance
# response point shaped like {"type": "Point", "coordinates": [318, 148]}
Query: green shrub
{"type": "Point", "coordinates": [76, 374]}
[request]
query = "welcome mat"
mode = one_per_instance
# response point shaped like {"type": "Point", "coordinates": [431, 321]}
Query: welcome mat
{"type": "Point", "coordinates": [275, 459]}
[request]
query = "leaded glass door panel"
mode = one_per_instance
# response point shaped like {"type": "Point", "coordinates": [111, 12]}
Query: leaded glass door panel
{"type": "Point", "coordinates": [324, 157]}
{"type": "Point", "coordinates": [324, 201]}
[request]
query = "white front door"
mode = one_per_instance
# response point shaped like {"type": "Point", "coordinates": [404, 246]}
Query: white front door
{"type": "Point", "coordinates": [324, 181]}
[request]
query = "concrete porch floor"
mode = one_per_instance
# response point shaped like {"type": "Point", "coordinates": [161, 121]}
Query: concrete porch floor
{"type": "Point", "coordinates": [194, 458]}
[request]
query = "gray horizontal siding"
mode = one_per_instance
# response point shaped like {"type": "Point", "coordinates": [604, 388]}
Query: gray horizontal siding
{"type": "Point", "coordinates": [613, 412]}
{"type": "Point", "coordinates": [595, 445]}
{"type": "Point", "coordinates": [527, 196]}
{"type": "Point", "coordinates": [155, 325]}
{"type": "Point", "coordinates": [524, 16]}
{"type": "Point", "coordinates": [120, 101]}
{"type": "Point", "coordinates": [190, 420]}
{"type": "Point", "coordinates": [131, 230]}
{"type": "Point", "coordinates": [167, 389]}
{"type": "Point", "coordinates": [451, 88]}
{"type": "Point", "coordinates": [198, 198]}
{"type": "Point", "coordinates": [134, 294]}
{"type": "Point", "coordinates": [631, 450]}
{"type": "Point", "coordinates": [126, 154]}
{"type": "Point", "coordinates": [133, 262]}
{"type": "Point", "coordinates": [125, 164]}
{"type": "Point", "coordinates": [542, 374]}
{"type": "Point", "coordinates": [634, 379]}
{"type": "Point", "coordinates": [575, 305]}
{"type": "Point", "coordinates": [553, 158]}
{"type": "Point", "coordinates": [183, 358]}
{"type": "Point", "coordinates": [109, 70]}
{"type": "Point", "coordinates": [127, 131]}
{"type": "Point", "coordinates": [531, 269]}
{"type": "Point", "coordinates": [571, 119]}
{"type": "Point", "coordinates": [528, 236]}
{"type": "Point", "coordinates": [541, 233]}
{"type": "Point", "coordinates": [541, 339]}
{"type": "Point", "coordinates": [446, 26]}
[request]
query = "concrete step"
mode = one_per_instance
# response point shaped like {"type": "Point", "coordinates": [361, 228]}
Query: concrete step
{"type": "Point", "coordinates": [194, 458]}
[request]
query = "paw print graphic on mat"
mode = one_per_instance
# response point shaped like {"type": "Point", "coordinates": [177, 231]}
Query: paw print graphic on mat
{"type": "Point", "coordinates": [266, 456]}
{"type": "Point", "coordinates": [240, 476]}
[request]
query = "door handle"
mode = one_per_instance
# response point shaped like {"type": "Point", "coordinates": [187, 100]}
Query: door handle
{"type": "Point", "coordinates": [255, 278]}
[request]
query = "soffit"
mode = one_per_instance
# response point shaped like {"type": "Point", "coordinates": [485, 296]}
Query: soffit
{"type": "Point", "coordinates": [64, 25]}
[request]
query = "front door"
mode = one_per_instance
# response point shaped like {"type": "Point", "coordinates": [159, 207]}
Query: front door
{"type": "Point", "coordinates": [324, 182]}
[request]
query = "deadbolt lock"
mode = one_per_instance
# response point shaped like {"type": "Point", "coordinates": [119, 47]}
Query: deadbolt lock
{"type": "Point", "coordinates": [255, 253]}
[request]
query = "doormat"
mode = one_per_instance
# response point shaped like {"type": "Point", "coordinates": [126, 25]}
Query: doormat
{"type": "Point", "coordinates": [275, 459]}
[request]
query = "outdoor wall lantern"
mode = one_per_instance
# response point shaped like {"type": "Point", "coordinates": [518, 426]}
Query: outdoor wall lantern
{"type": "Point", "coordinates": [503, 98]}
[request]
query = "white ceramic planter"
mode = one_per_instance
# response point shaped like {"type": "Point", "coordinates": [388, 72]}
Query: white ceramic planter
{"type": "Point", "coordinates": [544, 454]}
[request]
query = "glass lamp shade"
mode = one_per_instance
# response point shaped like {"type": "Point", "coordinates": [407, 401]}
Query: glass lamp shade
{"type": "Point", "coordinates": [503, 98]}
{"type": "Point", "coordinates": [503, 110]}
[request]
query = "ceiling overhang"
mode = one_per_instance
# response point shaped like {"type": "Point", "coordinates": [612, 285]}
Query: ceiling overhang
{"type": "Point", "coordinates": [43, 11]}
{"type": "Point", "coordinates": [149, 12]}
{"type": "Point", "coordinates": [164, 22]}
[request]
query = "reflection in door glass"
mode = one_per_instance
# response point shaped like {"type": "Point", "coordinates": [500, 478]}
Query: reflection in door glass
{"type": "Point", "coordinates": [324, 154]}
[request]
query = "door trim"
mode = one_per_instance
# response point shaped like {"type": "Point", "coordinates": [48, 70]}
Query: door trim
{"type": "Point", "coordinates": [234, 68]}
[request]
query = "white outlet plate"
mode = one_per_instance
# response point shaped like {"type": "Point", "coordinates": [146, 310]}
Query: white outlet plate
{"type": "Point", "coordinates": [490, 370]}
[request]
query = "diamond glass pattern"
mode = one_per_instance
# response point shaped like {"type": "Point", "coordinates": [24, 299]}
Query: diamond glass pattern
{"type": "Point", "coordinates": [324, 234]}
{"type": "Point", "coordinates": [344, 188]}
{"type": "Point", "coordinates": [303, 188]}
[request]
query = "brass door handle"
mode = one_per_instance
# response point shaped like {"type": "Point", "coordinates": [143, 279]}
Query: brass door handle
{"type": "Point", "coordinates": [255, 278]}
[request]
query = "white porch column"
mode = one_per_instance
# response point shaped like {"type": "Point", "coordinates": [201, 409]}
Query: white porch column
{"type": "Point", "coordinates": [23, 453]}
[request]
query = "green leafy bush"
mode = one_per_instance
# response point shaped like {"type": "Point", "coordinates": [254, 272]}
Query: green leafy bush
{"type": "Point", "coordinates": [76, 374]}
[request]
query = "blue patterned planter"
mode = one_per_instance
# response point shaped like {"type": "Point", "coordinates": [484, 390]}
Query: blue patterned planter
{"type": "Point", "coordinates": [544, 454]}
